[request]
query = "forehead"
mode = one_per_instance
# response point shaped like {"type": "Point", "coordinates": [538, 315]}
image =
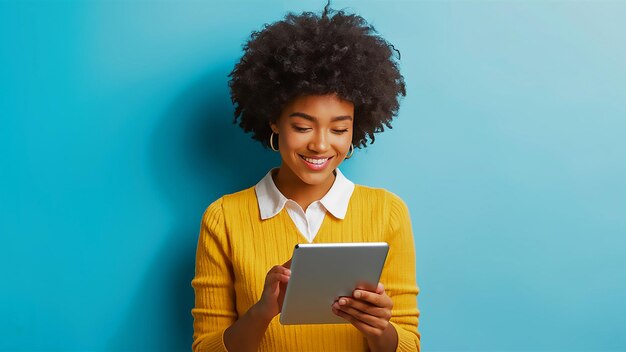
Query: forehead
{"type": "Point", "coordinates": [328, 105]}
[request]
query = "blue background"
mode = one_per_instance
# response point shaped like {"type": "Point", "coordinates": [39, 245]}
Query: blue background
{"type": "Point", "coordinates": [509, 150]}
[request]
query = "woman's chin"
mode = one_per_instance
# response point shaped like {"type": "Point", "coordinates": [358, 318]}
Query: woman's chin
{"type": "Point", "coordinates": [315, 179]}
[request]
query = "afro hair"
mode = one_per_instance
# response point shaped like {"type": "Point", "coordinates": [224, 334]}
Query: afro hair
{"type": "Point", "coordinates": [335, 53]}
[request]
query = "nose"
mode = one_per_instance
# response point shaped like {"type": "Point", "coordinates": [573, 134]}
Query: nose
{"type": "Point", "coordinates": [319, 142]}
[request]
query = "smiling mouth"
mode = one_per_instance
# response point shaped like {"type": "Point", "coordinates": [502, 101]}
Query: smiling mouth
{"type": "Point", "coordinates": [315, 161]}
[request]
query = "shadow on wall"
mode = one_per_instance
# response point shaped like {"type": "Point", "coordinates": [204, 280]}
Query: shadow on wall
{"type": "Point", "coordinates": [197, 154]}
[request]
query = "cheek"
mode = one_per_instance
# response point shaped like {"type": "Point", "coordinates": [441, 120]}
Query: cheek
{"type": "Point", "coordinates": [292, 141]}
{"type": "Point", "coordinates": [344, 141]}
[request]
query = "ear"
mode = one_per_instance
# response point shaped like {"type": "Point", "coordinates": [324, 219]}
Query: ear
{"type": "Point", "coordinates": [274, 127]}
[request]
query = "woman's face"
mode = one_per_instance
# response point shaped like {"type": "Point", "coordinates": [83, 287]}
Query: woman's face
{"type": "Point", "coordinates": [314, 136]}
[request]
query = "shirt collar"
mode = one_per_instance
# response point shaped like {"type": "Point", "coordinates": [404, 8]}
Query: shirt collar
{"type": "Point", "coordinates": [272, 201]}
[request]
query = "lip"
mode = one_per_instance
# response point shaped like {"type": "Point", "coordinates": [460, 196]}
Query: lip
{"type": "Point", "coordinates": [315, 167]}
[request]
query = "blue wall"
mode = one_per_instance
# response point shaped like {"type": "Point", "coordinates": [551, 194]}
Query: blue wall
{"type": "Point", "coordinates": [509, 150]}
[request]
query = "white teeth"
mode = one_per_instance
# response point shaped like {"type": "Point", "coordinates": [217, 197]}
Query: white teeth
{"type": "Point", "coordinates": [315, 161]}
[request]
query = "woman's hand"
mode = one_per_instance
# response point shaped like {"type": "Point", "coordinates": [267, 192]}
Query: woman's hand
{"type": "Point", "coordinates": [369, 312]}
{"type": "Point", "coordinates": [271, 301]}
{"type": "Point", "coordinates": [246, 333]}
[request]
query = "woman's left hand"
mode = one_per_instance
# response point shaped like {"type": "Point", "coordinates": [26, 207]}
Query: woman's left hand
{"type": "Point", "coordinates": [368, 311]}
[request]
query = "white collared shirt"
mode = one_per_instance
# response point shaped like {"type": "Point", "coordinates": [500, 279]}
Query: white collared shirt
{"type": "Point", "coordinates": [272, 201]}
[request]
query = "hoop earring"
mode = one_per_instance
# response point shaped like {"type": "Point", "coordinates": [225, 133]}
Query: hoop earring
{"type": "Point", "coordinates": [349, 155]}
{"type": "Point", "coordinates": [272, 142]}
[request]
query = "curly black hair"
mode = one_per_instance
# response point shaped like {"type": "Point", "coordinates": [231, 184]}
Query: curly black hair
{"type": "Point", "coordinates": [311, 54]}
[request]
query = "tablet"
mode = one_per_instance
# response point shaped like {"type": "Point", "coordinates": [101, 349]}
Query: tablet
{"type": "Point", "coordinates": [322, 272]}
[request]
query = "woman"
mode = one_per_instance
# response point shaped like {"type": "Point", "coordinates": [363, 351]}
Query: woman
{"type": "Point", "coordinates": [311, 88]}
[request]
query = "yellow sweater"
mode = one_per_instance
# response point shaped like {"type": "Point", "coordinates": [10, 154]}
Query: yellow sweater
{"type": "Point", "coordinates": [236, 249]}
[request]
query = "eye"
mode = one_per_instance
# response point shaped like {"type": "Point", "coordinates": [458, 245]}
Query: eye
{"type": "Point", "coordinates": [340, 131]}
{"type": "Point", "coordinates": [301, 129]}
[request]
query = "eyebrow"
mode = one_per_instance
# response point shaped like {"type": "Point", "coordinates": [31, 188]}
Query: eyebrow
{"type": "Point", "coordinates": [313, 118]}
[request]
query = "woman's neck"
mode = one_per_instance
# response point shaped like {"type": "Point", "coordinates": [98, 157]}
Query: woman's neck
{"type": "Point", "coordinates": [292, 187]}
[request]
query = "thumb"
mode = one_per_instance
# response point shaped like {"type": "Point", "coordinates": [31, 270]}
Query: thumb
{"type": "Point", "coordinates": [380, 288]}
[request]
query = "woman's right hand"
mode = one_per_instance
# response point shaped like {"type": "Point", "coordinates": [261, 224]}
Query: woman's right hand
{"type": "Point", "coordinates": [274, 289]}
{"type": "Point", "coordinates": [246, 333]}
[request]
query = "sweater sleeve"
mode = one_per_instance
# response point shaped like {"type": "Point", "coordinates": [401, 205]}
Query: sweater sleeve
{"type": "Point", "coordinates": [399, 276]}
{"type": "Point", "coordinates": [214, 309]}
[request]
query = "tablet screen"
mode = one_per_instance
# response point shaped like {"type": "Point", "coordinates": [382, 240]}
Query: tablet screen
{"type": "Point", "coordinates": [323, 272]}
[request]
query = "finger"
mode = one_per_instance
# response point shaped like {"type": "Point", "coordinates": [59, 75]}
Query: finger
{"type": "Point", "coordinates": [364, 328]}
{"type": "Point", "coordinates": [280, 269]}
{"type": "Point", "coordinates": [275, 278]}
{"type": "Point", "coordinates": [368, 319]}
{"type": "Point", "coordinates": [380, 289]}
{"type": "Point", "coordinates": [282, 289]}
{"type": "Point", "coordinates": [288, 264]}
{"type": "Point", "coordinates": [283, 278]}
{"type": "Point", "coordinates": [380, 312]}
{"type": "Point", "coordinates": [379, 300]}
{"type": "Point", "coordinates": [274, 285]}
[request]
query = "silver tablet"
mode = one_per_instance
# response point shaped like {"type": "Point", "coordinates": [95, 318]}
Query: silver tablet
{"type": "Point", "coordinates": [320, 273]}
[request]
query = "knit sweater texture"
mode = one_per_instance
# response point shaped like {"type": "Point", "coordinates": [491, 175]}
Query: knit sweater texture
{"type": "Point", "coordinates": [236, 249]}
